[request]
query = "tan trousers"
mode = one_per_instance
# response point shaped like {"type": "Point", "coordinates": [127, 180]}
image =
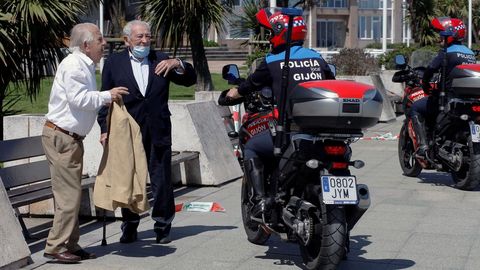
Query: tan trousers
{"type": "Point", "coordinates": [65, 156]}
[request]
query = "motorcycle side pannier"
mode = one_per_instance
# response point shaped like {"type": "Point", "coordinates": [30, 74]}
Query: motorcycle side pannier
{"type": "Point", "coordinates": [466, 81]}
{"type": "Point", "coordinates": [335, 106]}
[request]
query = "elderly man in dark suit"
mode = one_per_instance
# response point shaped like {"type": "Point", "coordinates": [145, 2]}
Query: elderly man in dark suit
{"type": "Point", "coordinates": [147, 75]}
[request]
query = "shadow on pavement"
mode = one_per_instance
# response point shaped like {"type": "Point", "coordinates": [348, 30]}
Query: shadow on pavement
{"type": "Point", "coordinates": [139, 248]}
{"type": "Point", "coordinates": [282, 253]}
{"type": "Point", "coordinates": [355, 261]}
{"type": "Point", "coordinates": [436, 178]}
{"type": "Point", "coordinates": [285, 253]}
{"type": "Point", "coordinates": [439, 179]}
{"type": "Point", "coordinates": [187, 231]}
{"type": "Point", "coordinates": [145, 246]}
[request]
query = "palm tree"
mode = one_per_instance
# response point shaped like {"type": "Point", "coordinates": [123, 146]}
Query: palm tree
{"type": "Point", "coordinates": [476, 19]}
{"type": "Point", "coordinates": [175, 20]}
{"type": "Point", "coordinates": [31, 37]}
{"type": "Point", "coordinates": [9, 65]}
{"type": "Point", "coordinates": [453, 8]}
{"type": "Point", "coordinates": [245, 21]}
{"type": "Point", "coordinates": [114, 11]}
{"type": "Point", "coordinates": [420, 14]}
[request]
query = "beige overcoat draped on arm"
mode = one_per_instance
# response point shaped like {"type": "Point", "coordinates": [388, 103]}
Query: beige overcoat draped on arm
{"type": "Point", "coordinates": [122, 175]}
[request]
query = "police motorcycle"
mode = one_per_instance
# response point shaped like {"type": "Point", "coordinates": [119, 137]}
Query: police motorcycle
{"type": "Point", "coordinates": [454, 137]}
{"type": "Point", "coordinates": [315, 199]}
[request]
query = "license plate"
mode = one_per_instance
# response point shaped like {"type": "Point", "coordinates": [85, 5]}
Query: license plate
{"type": "Point", "coordinates": [475, 132]}
{"type": "Point", "coordinates": [339, 189]}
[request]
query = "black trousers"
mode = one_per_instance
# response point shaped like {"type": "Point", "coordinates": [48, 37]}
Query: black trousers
{"type": "Point", "coordinates": [426, 108]}
{"type": "Point", "coordinates": [260, 145]}
{"type": "Point", "coordinates": [159, 160]}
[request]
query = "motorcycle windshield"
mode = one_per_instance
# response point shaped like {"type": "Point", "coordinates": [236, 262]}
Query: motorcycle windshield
{"type": "Point", "coordinates": [421, 58]}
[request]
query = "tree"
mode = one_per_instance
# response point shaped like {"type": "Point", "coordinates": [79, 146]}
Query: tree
{"type": "Point", "coordinates": [175, 20]}
{"type": "Point", "coordinates": [32, 34]}
{"type": "Point", "coordinates": [453, 8]}
{"type": "Point", "coordinates": [245, 21]}
{"type": "Point", "coordinates": [476, 19]}
{"type": "Point", "coordinates": [114, 11]}
{"type": "Point", "coordinates": [420, 15]}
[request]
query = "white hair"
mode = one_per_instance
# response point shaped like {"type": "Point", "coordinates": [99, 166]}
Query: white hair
{"type": "Point", "coordinates": [81, 33]}
{"type": "Point", "coordinates": [127, 30]}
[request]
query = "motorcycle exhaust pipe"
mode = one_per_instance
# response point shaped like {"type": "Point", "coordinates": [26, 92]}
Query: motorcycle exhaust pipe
{"type": "Point", "coordinates": [295, 204]}
{"type": "Point", "coordinates": [355, 212]}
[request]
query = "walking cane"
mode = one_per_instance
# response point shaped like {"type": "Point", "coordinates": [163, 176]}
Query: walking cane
{"type": "Point", "coordinates": [104, 239]}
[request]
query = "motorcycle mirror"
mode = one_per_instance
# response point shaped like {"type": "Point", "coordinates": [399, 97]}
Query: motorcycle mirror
{"type": "Point", "coordinates": [400, 61]}
{"type": "Point", "coordinates": [333, 69]}
{"type": "Point", "coordinates": [231, 73]}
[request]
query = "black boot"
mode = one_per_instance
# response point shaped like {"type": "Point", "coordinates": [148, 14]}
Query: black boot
{"type": "Point", "coordinates": [419, 128]}
{"type": "Point", "coordinates": [254, 175]}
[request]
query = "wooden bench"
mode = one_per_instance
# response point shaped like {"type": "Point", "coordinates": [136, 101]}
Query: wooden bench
{"type": "Point", "coordinates": [28, 183]}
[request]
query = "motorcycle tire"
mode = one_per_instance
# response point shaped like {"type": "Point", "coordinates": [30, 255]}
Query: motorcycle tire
{"type": "Point", "coordinates": [329, 245]}
{"type": "Point", "coordinates": [406, 154]}
{"type": "Point", "coordinates": [255, 232]}
{"type": "Point", "coordinates": [468, 177]}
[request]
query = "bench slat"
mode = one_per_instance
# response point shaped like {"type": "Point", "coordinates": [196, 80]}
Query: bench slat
{"type": "Point", "coordinates": [38, 192]}
{"type": "Point", "coordinates": [21, 148]}
{"type": "Point", "coordinates": [25, 174]}
{"type": "Point", "coordinates": [28, 188]}
{"type": "Point", "coordinates": [31, 197]}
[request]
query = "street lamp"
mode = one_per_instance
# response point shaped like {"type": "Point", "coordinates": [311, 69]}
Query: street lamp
{"type": "Point", "coordinates": [100, 24]}
{"type": "Point", "coordinates": [384, 27]}
{"type": "Point", "coordinates": [406, 25]}
{"type": "Point", "coordinates": [470, 24]}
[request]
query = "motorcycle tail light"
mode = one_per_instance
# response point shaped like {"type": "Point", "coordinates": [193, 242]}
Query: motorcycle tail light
{"type": "Point", "coordinates": [476, 108]}
{"type": "Point", "coordinates": [335, 150]}
{"type": "Point", "coordinates": [339, 165]}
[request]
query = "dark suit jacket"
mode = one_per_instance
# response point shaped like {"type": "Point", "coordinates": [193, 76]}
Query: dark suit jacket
{"type": "Point", "coordinates": [150, 111]}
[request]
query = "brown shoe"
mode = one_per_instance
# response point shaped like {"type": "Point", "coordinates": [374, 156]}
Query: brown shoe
{"type": "Point", "coordinates": [84, 255]}
{"type": "Point", "coordinates": [64, 257]}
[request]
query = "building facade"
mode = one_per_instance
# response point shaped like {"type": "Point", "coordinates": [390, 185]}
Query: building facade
{"type": "Point", "coordinates": [334, 24]}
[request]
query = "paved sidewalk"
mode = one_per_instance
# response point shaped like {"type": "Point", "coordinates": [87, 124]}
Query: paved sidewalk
{"type": "Point", "coordinates": [413, 223]}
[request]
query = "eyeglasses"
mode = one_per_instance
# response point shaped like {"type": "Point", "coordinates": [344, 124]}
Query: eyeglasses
{"type": "Point", "coordinates": [141, 36]}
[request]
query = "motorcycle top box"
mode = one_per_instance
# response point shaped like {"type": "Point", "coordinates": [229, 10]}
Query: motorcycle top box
{"type": "Point", "coordinates": [335, 105]}
{"type": "Point", "coordinates": [466, 80]}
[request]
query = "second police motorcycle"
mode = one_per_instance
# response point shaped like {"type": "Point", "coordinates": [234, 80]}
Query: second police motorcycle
{"type": "Point", "coordinates": [454, 137]}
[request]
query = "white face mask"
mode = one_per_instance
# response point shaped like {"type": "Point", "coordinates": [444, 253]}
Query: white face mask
{"type": "Point", "coordinates": [140, 51]}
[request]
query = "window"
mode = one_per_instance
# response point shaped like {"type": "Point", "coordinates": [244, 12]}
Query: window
{"type": "Point", "coordinates": [373, 4]}
{"type": "Point", "coordinates": [370, 27]}
{"type": "Point", "coordinates": [334, 3]}
{"type": "Point", "coordinates": [331, 33]}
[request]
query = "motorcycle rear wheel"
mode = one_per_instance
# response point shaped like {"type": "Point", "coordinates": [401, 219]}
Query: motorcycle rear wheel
{"type": "Point", "coordinates": [255, 232]}
{"type": "Point", "coordinates": [329, 245]}
{"type": "Point", "coordinates": [468, 177]}
{"type": "Point", "coordinates": [406, 154]}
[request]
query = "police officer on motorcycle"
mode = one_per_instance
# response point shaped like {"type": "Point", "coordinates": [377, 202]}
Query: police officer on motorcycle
{"type": "Point", "coordinates": [305, 65]}
{"type": "Point", "coordinates": [457, 54]}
